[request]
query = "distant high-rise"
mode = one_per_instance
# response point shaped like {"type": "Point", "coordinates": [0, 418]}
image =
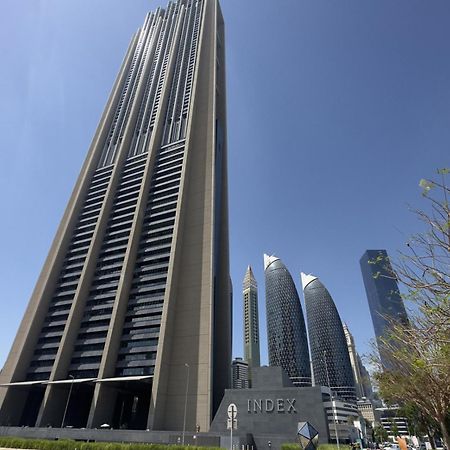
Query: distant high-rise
{"type": "Point", "coordinates": [286, 331]}
{"type": "Point", "coordinates": [383, 295]}
{"type": "Point", "coordinates": [251, 322]}
{"type": "Point", "coordinates": [239, 374]}
{"type": "Point", "coordinates": [135, 293]}
{"type": "Point", "coordinates": [329, 353]}
{"type": "Point", "coordinates": [354, 360]}
{"type": "Point", "coordinates": [365, 380]}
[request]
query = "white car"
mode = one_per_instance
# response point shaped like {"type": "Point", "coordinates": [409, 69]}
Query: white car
{"type": "Point", "coordinates": [391, 447]}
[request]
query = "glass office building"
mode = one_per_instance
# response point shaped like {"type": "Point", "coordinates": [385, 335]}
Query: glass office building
{"type": "Point", "coordinates": [286, 331]}
{"type": "Point", "coordinates": [329, 352]}
{"type": "Point", "coordinates": [383, 295]}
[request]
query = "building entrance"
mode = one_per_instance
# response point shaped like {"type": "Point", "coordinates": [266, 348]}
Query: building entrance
{"type": "Point", "coordinates": [132, 405]}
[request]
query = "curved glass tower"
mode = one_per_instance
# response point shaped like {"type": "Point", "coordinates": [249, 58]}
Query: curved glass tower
{"type": "Point", "coordinates": [286, 331]}
{"type": "Point", "coordinates": [329, 353]}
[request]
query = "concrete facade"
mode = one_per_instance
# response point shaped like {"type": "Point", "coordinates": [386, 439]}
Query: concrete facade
{"type": "Point", "coordinates": [135, 290]}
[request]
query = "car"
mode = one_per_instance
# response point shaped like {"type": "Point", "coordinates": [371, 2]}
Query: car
{"type": "Point", "coordinates": [392, 447]}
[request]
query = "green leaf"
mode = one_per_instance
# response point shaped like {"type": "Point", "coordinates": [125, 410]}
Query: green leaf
{"type": "Point", "coordinates": [426, 185]}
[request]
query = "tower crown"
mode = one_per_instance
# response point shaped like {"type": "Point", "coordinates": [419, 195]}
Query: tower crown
{"type": "Point", "coordinates": [249, 279]}
{"type": "Point", "coordinates": [268, 260]}
{"type": "Point", "coordinates": [306, 279]}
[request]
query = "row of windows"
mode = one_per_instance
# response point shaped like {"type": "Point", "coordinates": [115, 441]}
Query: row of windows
{"type": "Point", "coordinates": [146, 329]}
{"type": "Point", "coordinates": [133, 371]}
{"type": "Point", "coordinates": [86, 360]}
{"type": "Point", "coordinates": [45, 363]}
{"type": "Point", "coordinates": [43, 376]}
{"type": "Point", "coordinates": [77, 374]}
{"type": "Point", "coordinates": [144, 343]}
{"type": "Point", "coordinates": [137, 356]}
{"type": "Point", "coordinates": [91, 335]}
{"type": "Point", "coordinates": [89, 347]}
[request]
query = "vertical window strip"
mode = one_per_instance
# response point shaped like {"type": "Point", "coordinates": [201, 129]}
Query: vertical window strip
{"type": "Point", "coordinates": [137, 145]}
{"type": "Point", "coordinates": [109, 149]}
{"type": "Point", "coordinates": [142, 267]}
{"type": "Point", "coordinates": [63, 287]}
{"type": "Point", "coordinates": [176, 116]}
{"type": "Point", "coordinates": [103, 292]}
{"type": "Point", "coordinates": [176, 77]}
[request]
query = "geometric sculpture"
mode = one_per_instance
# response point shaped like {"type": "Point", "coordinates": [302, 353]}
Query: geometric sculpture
{"type": "Point", "coordinates": [308, 437]}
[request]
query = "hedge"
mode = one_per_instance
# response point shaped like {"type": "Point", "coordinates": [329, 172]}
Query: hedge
{"type": "Point", "coordinates": [65, 444]}
{"type": "Point", "coordinates": [321, 447]}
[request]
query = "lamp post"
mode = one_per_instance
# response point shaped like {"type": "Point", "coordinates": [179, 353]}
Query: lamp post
{"type": "Point", "coordinates": [185, 402]}
{"type": "Point", "coordinates": [332, 398]}
{"type": "Point", "coordinates": [68, 400]}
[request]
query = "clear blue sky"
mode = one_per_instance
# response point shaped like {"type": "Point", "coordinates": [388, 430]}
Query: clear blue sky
{"type": "Point", "coordinates": [336, 109]}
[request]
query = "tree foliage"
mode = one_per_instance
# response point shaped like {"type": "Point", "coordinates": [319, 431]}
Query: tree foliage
{"type": "Point", "coordinates": [380, 434]}
{"type": "Point", "coordinates": [415, 368]}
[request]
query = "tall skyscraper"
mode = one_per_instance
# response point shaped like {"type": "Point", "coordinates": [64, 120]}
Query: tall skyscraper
{"type": "Point", "coordinates": [251, 323]}
{"type": "Point", "coordinates": [132, 308]}
{"type": "Point", "coordinates": [354, 361]}
{"type": "Point", "coordinates": [286, 331]}
{"type": "Point", "coordinates": [365, 379]}
{"type": "Point", "coordinates": [383, 295]}
{"type": "Point", "coordinates": [329, 354]}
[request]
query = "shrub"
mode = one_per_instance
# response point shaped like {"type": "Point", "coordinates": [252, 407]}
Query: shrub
{"type": "Point", "coordinates": [66, 444]}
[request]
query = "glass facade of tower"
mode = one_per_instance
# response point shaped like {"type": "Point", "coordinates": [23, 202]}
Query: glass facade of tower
{"type": "Point", "coordinates": [329, 353]}
{"type": "Point", "coordinates": [383, 295]}
{"type": "Point", "coordinates": [286, 331]}
{"type": "Point", "coordinates": [127, 265]}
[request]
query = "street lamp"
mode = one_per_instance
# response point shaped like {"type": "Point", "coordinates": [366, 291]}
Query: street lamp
{"type": "Point", "coordinates": [68, 400]}
{"type": "Point", "coordinates": [332, 399]}
{"type": "Point", "coordinates": [185, 401]}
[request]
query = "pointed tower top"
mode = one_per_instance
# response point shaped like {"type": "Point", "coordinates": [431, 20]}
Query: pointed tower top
{"type": "Point", "coordinates": [348, 334]}
{"type": "Point", "coordinates": [306, 279]}
{"type": "Point", "coordinates": [249, 279]}
{"type": "Point", "coordinates": [268, 260]}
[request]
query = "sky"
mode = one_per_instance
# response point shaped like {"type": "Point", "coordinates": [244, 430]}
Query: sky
{"type": "Point", "coordinates": [336, 110]}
